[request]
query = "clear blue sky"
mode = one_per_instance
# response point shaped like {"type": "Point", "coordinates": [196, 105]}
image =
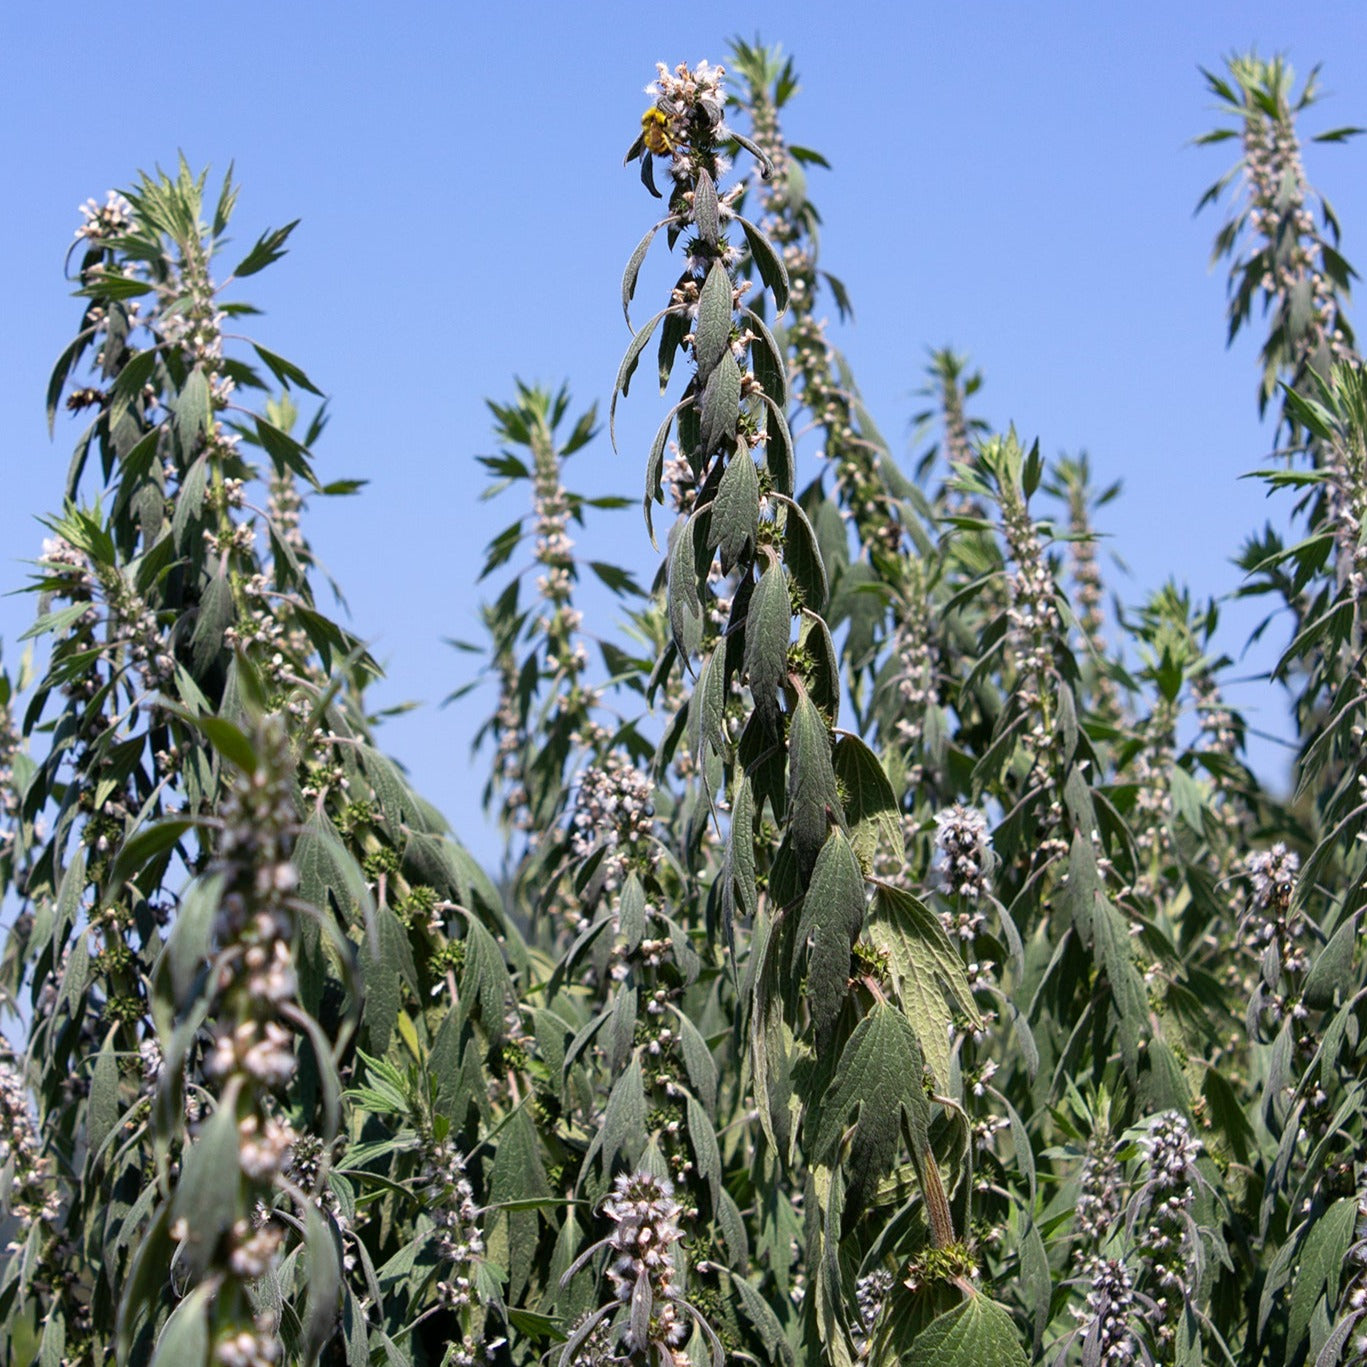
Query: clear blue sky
{"type": "Point", "coordinates": [1013, 179]}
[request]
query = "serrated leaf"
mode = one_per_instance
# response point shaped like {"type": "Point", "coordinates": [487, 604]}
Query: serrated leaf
{"type": "Point", "coordinates": [925, 970]}
{"type": "Point", "coordinates": [386, 964]}
{"type": "Point", "coordinates": [698, 1061]}
{"type": "Point", "coordinates": [778, 448]}
{"type": "Point", "coordinates": [140, 849]}
{"type": "Point", "coordinates": [286, 371]}
{"type": "Point", "coordinates": [1320, 1267]}
{"type": "Point", "coordinates": [269, 247]}
{"type": "Point", "coordinates": [718, 409]}
{"type": "Point", "coordinates": [740, 849]}
{"type": "Point", "coordinates": [803, 557]}
{"type": "Point", "coordinates": [832, 917]}
{"type": "Point", "coordinates": [735, 510]}
{"type": "Point", "coordinates": [765, 1321]}
{"type": "Point", "coordinates": [624, 1119]}
{"type": "Point", "coordinates": [707, 707]}
{"type": "Point", "coordinates": [194, 410]}
{"type": "Point", "coordinates": [768, 627]}
{"type": "Point", "coordinates": [633, 270]}
{"type": "Point", "coordinates": [217, 612]}
{"type": "Point", "coordinates": [103, 1108]}
{"type": "Point", "coordinates": [1130, 1001]}
{"type": "Point", "coordinates": [973, 1334]}
{"type": "Point", "coordinates": [712, 332]}
{"type": "Point", "coordinates": [872, 811]}
{"type": "Point", "coordinates": [771, 268]}
{"type": "Point", "coordinates": [706, 211]}
{"type": "Point", "coordinates": [685, 606]}
{"type": "Point", "coordinates": [878, 1083]}
{"type": "Point", "coordinates": [813, 799]}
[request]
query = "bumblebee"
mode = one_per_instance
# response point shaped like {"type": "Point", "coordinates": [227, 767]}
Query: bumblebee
{"type": "Point", "coordinates": [655, 132]}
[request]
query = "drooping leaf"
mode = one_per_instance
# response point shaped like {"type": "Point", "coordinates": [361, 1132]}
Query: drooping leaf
{"type": "Point", "coordinates": [976, 1332]}
{"type": "Point", "coordinates": [813, 799]}
{"type": "Point", "coordinates": [685, 604]}
{"type": "Point", "coordinates": [871, 806]}
{"type": "Point", "coordinates": [771, 268]}
{"type": "Point", "coordinates": [768, 625]}
{"type": "Point", "coordinates": [735, 511]}
{"type": "Point", "coordinates": [712, 332]}
{"type": "Point", "coordinates": [718, 408]}
{"type": "Point", "coordinates": [832, 917]}
{"type": "Point", "coordinates": [1320, 1267]}
{"type": "Point", "coordinates": [926, 971]}
{"type": "Point", "coordinates": [877, 1084]}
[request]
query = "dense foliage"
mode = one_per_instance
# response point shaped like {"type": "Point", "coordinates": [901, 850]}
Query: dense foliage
{"type": "Point", "coordinates": [893, 957]}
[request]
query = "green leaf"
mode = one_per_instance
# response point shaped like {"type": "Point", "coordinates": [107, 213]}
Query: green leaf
{"type": "Point", "coordinates": [771, 268]}
{"type": "Point", "coordinates": [189, 501]}
{"type": "Point", "coordinates": [832, 917]}
{"type": "Point", "coordinates": [184, 1341]}
{"type": "Point", "coordinates": [1320, 1267]}
{"type": "Point", "coordinates": [740, 850]}
{"type": "Point", "coordinates": [698, 1061]}
{"type": "Point", "coordinates": [778, 448]}
{"type": "Point", "coordinates": [286, 371]}
{"type": "Point", "coordinates": [207, 1196]}
{"type": "Point", "coordinates": [230, 741]}
{"type": "Point", "coordinates": [633, 270]}
{"type": "Point", "coordinates": [877, 1082]}
{"type": "Point", "coordinates": [765, 1321]}
{"type": "Point", "coordinates": [217, 613]}
{"type": "Point", "coordinates": [627, 369]}
{"type": "Point", "coordinates": [386, 964]}
{"type": "Point", "coordinates": [269, 248]}
{"type": "Point", "coordinates": [707, 707]}
{"type": "Point", "coordinates": [735, 510]}
{"type": "Point", "coordinates": [194, 410]}
{"type": "Point", "coordinates": [768, 627]}
{"type": "Point", "coordinates": [1332, 971]}
{"type": "Point", "coordinates": [324, 1283]}
{"type": "Point", "coordinates": [140, 849]}
{"type": "Point", "coordinates": [766, 360]}
{"type": "Point", "coordinates": [926, 972]}
{"type": "Point", "coordinates": [813, 799]}
{"type": "Point", "coordinates": [871, 807]}
{"type": "Point", "coordinates": [706, 210]}
{"type": "Point", "coordinates": [973, 1334]}
{"type": "Point", "coordinates": [685, 606]}
{"type": "Point", "coordinates": [803, 557]}
{"type": "Point", "coordinates": [718, 409]}
{"type": "Point", "coordinates": [712, 332]}
{"type": "Point", "coordinates": [1111, 945]}
{"type": "Point", "coordinates": [103, 1110]}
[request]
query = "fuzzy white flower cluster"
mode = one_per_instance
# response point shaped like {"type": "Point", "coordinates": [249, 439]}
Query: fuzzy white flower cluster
{"type": "Point", "coordinates": [647, 1218]}
{"type": "Point", "coordinates": [964, 857]}
{"type": "Point", "coordinates": [31, 1195]}
{"type": "Point", "coordinates": [1110, 1306]}
{"type": "Point", "coordinates": [455, 1213]}
{"type": "Point", "coordinates": [613, 808]}
{"type": "Point", "coordinates": [1273, 875]}
{"type": "Point", "coordinates": [103, 221]}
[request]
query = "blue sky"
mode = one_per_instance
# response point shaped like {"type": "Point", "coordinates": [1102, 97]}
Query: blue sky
{"type": "Point", "coordinates": [1012, 179]}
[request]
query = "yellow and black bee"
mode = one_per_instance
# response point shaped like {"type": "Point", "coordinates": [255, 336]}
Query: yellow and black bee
{"type": "Point", "coordinates": [655, 131]}
{"type": "Point", "coordinates": [654, 140]}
